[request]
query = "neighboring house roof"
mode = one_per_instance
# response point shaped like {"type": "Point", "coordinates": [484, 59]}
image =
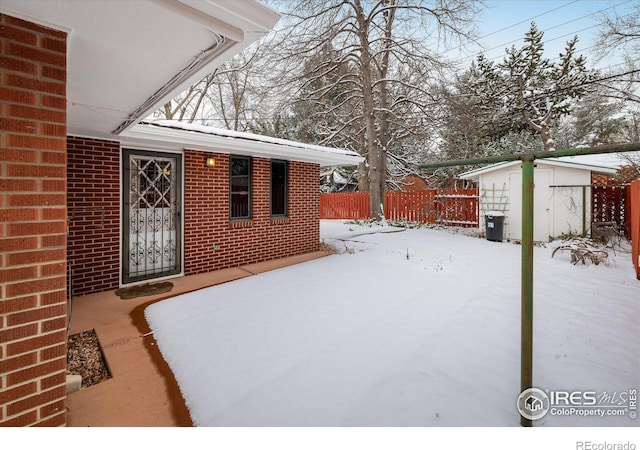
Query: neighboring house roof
{"type": "Point", "coordinates": [576, 162]}
{"type": "Point", "coordinates": [178, 135]}
{"type": "Point", "coordinates": [126, 58]}
{"type": "Point", "coordinates": [413, 182]}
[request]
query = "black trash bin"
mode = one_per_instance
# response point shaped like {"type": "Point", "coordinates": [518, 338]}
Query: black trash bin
{"type": "Point", "coordinates": [494, 223]}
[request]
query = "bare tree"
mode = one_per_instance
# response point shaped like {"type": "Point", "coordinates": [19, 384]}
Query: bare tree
{"type": "Point", "coordinates": [226, 98]}
{"type": "Point", "coordinates": [367, 67]}
{"type": "Point", "coordinates": [620, 32]}
{"type": "Point", "coordinates": [185, 106]}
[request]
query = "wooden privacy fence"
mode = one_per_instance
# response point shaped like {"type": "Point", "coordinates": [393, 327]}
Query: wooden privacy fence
{"type": "Point", "coordinates": [458, 207]}
{"type": "Point", "coordinates": [455, 207]}
{"type": "Point", "coordinates": [413, 206]}
{"type": "Point", "coordinates": [634, 201]}
{"type": "Point", "coordinates": [345, 205]}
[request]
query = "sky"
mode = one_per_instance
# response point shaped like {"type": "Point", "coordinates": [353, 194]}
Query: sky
{"type": "Point", "coordinates": [503, 23]}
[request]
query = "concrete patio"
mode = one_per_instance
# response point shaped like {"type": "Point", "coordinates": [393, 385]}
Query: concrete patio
{"type": "Point", "coordinates": [142, 391]}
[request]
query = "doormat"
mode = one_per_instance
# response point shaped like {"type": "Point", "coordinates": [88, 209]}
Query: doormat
{"type": "Point", "coordinates": [142, 290]}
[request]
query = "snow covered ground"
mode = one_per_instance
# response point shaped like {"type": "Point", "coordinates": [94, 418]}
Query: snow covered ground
{"type": "Point", "coordinates": [415, 327]}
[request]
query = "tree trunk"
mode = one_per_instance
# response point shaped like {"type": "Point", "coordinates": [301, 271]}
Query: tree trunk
{"type": "Point", "coordinates": [383, 129]}
{"type": "Point", "coordinates": [363, 178]}
{"type": "Point", "coordinates": [368, 109]}
{"type": "Point", "coordinates": [547, 139]}
{"type": "Point", "coordinates": [375, 193]}
{"type": "Point", "coordinates": [168, 112]}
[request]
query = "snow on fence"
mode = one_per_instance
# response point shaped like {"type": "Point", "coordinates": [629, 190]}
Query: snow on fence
{"type": "Point", "coordinates": [457, 207]}
{"type": "Point", "coordinates": [454, 207]}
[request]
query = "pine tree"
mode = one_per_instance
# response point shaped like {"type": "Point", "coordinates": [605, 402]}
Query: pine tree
{"type": "Point", "coordinates": [534, 90]}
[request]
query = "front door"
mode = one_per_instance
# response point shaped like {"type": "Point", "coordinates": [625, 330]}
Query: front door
{"type": "Point", "coordinates": [151, 215]}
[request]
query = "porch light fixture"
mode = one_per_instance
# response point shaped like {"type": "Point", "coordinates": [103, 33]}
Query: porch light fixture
{"type": "Point", "coordinates": [210, 162]}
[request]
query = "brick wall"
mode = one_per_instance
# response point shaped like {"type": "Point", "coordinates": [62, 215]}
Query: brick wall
{"type": "Point", "coordinates": [214, 242]}
{"type": "Point", "coordinates": [94, 214]}
{"type": "Point", "coordinates": [33, 303]}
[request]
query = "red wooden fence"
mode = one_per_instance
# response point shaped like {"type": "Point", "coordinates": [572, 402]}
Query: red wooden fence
{"type": "Point", "coordinates": [457, 207]}
{"type": "Point", "coordinates": [634, 201]}
{"type": "Point", "coordinates": [413, 206]}
{"type": "Point", "coordinates": [346, 205]}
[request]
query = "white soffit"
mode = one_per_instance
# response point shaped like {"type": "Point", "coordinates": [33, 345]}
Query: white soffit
{"type": "Point", "coordinates": [120, 54]}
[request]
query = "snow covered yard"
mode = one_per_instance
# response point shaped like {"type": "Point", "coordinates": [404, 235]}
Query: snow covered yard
{"type": "Point", "coordinates": [415, 327]}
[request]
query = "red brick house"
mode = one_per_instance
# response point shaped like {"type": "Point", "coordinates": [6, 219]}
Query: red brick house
{"type": "Point", "coordinates": [89, 190]}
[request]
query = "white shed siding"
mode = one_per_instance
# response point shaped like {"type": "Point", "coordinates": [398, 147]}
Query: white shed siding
{"type": "Point", "coordinates": [559, 212]}
{"type": "Point", "coordinates": [494, 196]}
{"type": "Point", "coordinates": [562, 198]}
{"type": "Point", "coordinates": [542, 211]}
{"type": "Point", "coordinates": [570, 213]}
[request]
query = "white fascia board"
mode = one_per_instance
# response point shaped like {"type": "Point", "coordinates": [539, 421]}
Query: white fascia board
{"type": "Point", "coordinates": [255, 15]}
{"type": "Point", "coordinates": [182, 139]}
{"type": "Point", "coordinates": [182, 81]}
{"type": "Point", "coordinates": [209, 22]}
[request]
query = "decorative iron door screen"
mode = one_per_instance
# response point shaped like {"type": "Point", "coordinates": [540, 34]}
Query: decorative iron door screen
{"type": "Point", "coordinates": [151, 215]}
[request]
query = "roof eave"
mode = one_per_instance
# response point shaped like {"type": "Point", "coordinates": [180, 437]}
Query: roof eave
{"type": "Point", "coordinates": [474, 174]}
{"type": "Point", "coordinates": [578, 165]}
{"type": "Point", "coordinates": [182, 139]}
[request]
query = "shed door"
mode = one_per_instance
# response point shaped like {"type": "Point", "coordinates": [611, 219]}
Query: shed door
{"type": "Point", "coordinates": [151, 215]}
{"type": "Point", "coordinates": [541, 206]}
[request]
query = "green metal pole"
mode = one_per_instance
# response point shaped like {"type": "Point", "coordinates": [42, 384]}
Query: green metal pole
{"type": "Point", "coordinates": [526, 325]}
{"type": "Point", "coordinates": [584, 211]}
{"type": "Point", "coordinates": [526, 353]}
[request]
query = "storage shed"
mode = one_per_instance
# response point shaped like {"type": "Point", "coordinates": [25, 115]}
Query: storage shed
{"type": "Point", "coordinates": [562, 200]}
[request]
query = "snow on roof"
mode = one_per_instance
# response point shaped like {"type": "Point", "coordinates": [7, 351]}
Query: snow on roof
{"type": "Point", "coordinates": [226, 141]}
{"type": "Point", "coordinates": [249, 136]}
{"type": "Point", "coordinates": [602, 163]}
{"type": "Point", "coordinates": [610, 160]}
